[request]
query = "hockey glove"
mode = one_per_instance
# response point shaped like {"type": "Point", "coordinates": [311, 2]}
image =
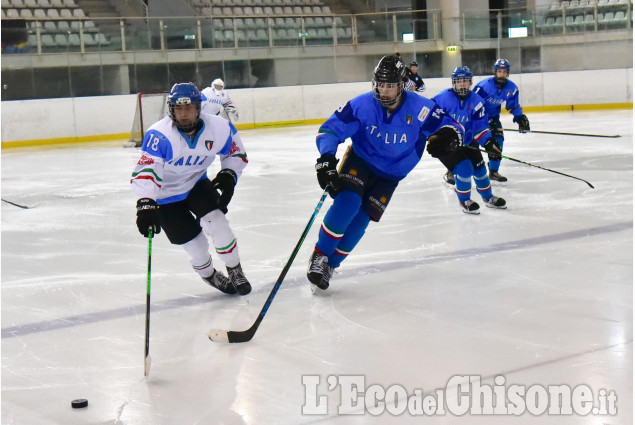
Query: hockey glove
{"type": "Point", "coordinates": [327, 173]}
{"type": "Point", "coordinates": [493, 147]}
{"type": "Point", "coordinates": [444, 142]}
{"type": "Point", "coordinates": [523, 123]}
{"type": "Point", "coordinates": [496, 127]}
{"type": "Point", "coordinates": [148, 216]}
{"type": "Point", "coordinates": [224, 183]}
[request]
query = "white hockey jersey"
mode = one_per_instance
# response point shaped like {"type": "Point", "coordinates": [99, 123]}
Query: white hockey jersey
{"type": "Point", "coordinates": [218, 102]}
{"type": "Point", "coordinates": [172, 163]}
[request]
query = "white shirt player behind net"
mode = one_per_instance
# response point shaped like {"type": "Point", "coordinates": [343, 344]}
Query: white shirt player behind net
{"type": "Point", "coordinates": [216, 101]}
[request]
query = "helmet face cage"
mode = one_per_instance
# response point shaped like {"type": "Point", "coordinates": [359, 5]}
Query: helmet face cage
{"type": "Point", "coordinates": [184, 94]}
{"type": "Point", "coordinates": [462, 73]}
{"type": "Point", "coordinates": [389, 73]}
{"type": "Point", "coordinates": [501, 64]}
{"type": "Point", "coordinates": [218, 82]}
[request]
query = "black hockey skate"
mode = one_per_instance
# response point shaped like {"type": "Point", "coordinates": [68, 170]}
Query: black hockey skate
{"type": "Point", "coordinates": [449, 178]}
{"type": "Point", "coordinates": [220, 282]}
{"type": "Point", "coordinates": [496, 202]}
{"type": "Point", "coordinates": [470, 207]}
{"type": "Point", "coordinates": [238, 280]}
{"type": "Point", "coordinates": [318, 270]}
{"type": "Point", "coordinates": [496, 176]}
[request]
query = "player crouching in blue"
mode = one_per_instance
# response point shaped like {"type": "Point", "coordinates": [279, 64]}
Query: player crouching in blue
{"type": "Point", "coordinates": [468, 109]}
{"type": "Point", "coordinates": [389, 128]}
{"type": "Point", "coordinates": [175, 193]}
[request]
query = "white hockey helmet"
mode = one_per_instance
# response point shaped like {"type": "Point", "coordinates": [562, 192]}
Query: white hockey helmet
{"type": "Point", "coordinates": [218, 84]}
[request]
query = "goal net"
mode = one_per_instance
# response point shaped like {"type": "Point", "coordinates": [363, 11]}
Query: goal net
{"type": "Point", "coordinates": [151, 107]}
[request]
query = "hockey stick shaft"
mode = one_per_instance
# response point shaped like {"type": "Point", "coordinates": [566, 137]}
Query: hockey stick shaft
{"type": "Point", "coordinates": [147, 360]}
{"type": "Point", "coordinates": [244, 336]}
{"type": "Point", "coordinates": [566, 134]}
{"type": "Point", "coordinates": [538, 166]}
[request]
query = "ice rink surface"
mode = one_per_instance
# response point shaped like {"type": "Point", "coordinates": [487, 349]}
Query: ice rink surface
{"type": "Point", "coordinates": [539, 294]}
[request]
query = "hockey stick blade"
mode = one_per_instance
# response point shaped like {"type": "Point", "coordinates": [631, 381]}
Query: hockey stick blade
{"type": "Point", "coordinates": [218, 335]}
{"type": "Point", "coordinates": [147, 362]}
{"type": "Point", "coordinates": [566, 134]}
{"type": "Point", "coordinates": [24, 207]}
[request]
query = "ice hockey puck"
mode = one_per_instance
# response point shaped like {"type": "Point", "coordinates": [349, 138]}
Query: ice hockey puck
{"type": "Point", "coordinates": [79, 403]}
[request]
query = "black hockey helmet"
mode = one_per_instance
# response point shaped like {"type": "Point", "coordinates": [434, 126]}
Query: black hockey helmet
{"type": "Point", "coordinates": [390, 70]}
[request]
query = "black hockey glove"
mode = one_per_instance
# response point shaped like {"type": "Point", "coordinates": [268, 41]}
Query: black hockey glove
{"type": "Point", "coordinates": [224, 182]}
{"type": "Point", "coordinates": [327, 173]}
{"type": "Point", "coordinates": [148, 216]}
{"type": "Point", "coordinates": [496, 127]}
{"type": "Point", "coordinates": [444, 142]}
{"type": "Point", "coordinates": [493, 147]}
{"type": "Point", "coordinates": [523, 123]}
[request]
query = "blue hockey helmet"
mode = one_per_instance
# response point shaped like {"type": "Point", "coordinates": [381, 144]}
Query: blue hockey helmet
{"type": "Point", "coordinates": [501, 64]}
{"type": "Point", "coordinates": [461, 73]}
{"type": "Point", "coordinates": [184, 94]}
{"type": "Point", "coordinates": [391, 70]}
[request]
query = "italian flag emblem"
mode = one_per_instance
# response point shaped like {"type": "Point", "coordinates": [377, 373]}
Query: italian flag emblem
{"type": "Point", "coordinates": [408, 119]}
{"type": "Point", "coordinates": [209, 144]}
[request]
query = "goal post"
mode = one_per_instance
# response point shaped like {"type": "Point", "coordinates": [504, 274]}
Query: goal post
{"type": "Point", "coordinates": [151, 107]}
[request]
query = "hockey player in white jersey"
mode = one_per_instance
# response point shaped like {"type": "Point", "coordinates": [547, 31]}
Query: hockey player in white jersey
{"type": "Point", "coordinates": [174, 192]}
{"type": "Point", "coordinates": [216, 101]}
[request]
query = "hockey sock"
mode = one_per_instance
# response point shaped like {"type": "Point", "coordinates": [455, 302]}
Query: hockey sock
{"type": "Point", "coordinates": [353, 235]}
{"type": "Point", "coordinates": [482, 182]}
{"type": "Point", "coordinates": [463, 179]}
{"type": "Point", "coordinates": [216, 225]}
{"type": "Point", "coordinates": [198, 251]}
{"type": "Point", "coordinates": [337, 219]}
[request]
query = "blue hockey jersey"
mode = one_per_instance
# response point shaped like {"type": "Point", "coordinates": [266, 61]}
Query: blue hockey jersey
{"type": "Point", "coordinates": [392, 144]}
{"type": "Point", "coordinates": [494, 97]}
{"type": "Point", "coordinates": [469, 112]}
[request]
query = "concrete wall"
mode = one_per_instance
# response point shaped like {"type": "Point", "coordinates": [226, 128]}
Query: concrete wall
{"type": "Point", "coordinates": [28, 122]}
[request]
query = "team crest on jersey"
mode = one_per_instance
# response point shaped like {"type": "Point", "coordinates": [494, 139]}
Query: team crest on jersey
{"type": "Point", "coordinates": [209, 144]}
{"type": "Point", "coordinates": [408, 119]}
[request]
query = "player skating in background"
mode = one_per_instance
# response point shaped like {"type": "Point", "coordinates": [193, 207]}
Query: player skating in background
{"type": "Point", "coordinates": [496, 90]}
{"type": "Point", "coordinates": [389, 128]}
{"type": "Point", "coordinates": [468, 109]}
{"type": "Point", "coordinates": [216, 101]}
{"type": "Point", "coordinates": [175, 193]}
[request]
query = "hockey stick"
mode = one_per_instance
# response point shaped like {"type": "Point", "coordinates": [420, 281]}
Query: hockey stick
{"type": "Point", "coordinates": [538, 166]}
{"type": "Point", "coordinates": [16, 205]}
{"type": "Point", "coordinates": [218, 335]}
{"type": "Point", "coordinates": [147, 361]}
{"type": "Point", "coordinates": [565, 134]}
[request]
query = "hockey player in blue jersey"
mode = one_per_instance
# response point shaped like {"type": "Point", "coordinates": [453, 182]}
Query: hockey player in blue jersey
{"type": "Point", "coordinates": [174, 192]}
{"type": "Point", "coordinates": [389, 128]}
{"type": "Point", "coordinates": [468, 109]}
{"type": "Point", "coordinates": [496, 90]}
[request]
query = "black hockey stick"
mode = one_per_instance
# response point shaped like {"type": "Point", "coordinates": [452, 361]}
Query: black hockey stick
{"type": "Point", "coordinates": [16, 205]}
{"type": "Point", "coordinates": [147, 360]}
{"type": "Point", "coordinates": [538, 166]}
{"type": "Point", "coordinates": [218, 335]}
{"type": "Point", "coordinates": [565, 134]}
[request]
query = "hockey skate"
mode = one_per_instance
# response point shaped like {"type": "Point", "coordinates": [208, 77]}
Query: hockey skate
{"type": "Point", "coordinates": [319, 272]}
{"type": "Point", "coordinates": [220, 282]}
{"type": "Point", "coordinates": [470, 207]}
{"type": "Point", "coordinates": [449, 178]}
{"type": "Point", "coordinates": [496, 202]}
{"type": "Point", "coordinates": [496, 176]}
{"type": "Point", "coordinates": [238, 280]}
